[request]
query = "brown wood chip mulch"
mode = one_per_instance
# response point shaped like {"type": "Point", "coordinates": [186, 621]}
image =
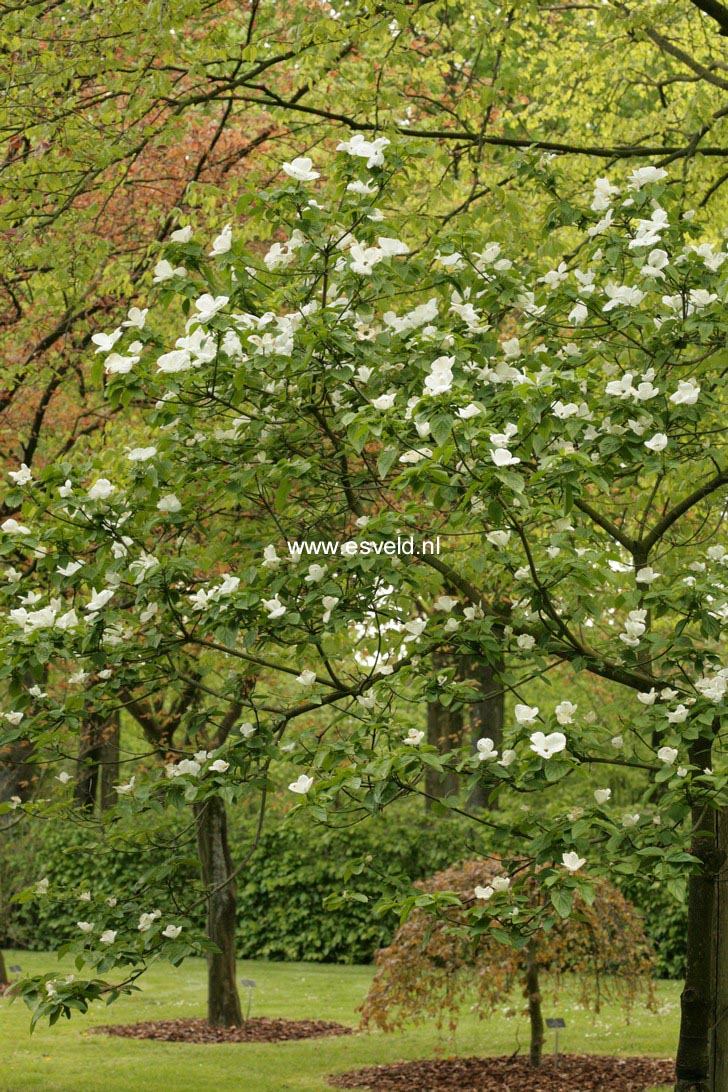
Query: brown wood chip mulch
{"type": "Point", "coordinates": [574, 1073]}
{"type": "Point", "coordinates": [258, 1029]}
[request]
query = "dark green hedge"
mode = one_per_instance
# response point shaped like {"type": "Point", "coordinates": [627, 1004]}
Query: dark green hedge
{"type": "Point", "coordinates": [75, 859]}
{"type": "Point", "coordinates": [665, 922]}
{"type": "Point", "coordinates": [297, 866]}
{"type": "Point", "coordinates": [281, 891]}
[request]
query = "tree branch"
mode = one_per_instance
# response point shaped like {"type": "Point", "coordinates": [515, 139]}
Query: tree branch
{"type": "Point", "coordinates": [269, 98]}
{"type": "Point", "coordinates": [646, 543]}
{"type": "Point", "coordinates": [715, 11]}
{"type": "Point", "coordinates": [607, 525]}
{"type": "Point", "coordinates": [454, 577]}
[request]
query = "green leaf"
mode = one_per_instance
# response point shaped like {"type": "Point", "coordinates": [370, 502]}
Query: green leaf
{"type": "Point", "coordinates": [441, 427]}
{"type": "Point", "coordinates": [554, 770]}
{"type": "Point", "coordinates": [562, 901]}
{"type": "Point", "coordinates": [385, 461]}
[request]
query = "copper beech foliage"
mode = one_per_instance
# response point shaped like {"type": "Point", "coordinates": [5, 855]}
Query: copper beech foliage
{"type": "Point", "coordinates": [434, 965]}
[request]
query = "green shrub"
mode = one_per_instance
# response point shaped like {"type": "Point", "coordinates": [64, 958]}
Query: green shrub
{"type": "Point", "coordinates": [17, 870]}
{"type": "Point", "coordinates": [76, 858]}
{"type": "Point", "coordinates": [665, 919]}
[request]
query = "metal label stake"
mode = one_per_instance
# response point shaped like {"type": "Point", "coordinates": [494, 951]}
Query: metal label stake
{"type": "Point", "coordinates": [556, 1022]}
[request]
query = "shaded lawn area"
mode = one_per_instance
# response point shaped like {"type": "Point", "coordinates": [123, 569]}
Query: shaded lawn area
{"type": "Point", "coordinates": [66, 1059]}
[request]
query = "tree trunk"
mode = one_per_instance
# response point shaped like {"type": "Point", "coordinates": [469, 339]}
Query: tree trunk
{"type": "Point", "coordinates": [487, 716]}
{"type": "Point", "coordinates": [110, 762]}
{"type": "Point", "coordinates": [445, 732]}
{"type": "Point", "coordinates": [17, 773]}
{"type": "Point", "coordinates": [719, 1037]}
{"type": "Point", "coordinates": [4, 980]}
{"type": "Point", "coordinates": [535, 1015]}
{"type": "Point", "coordinates": [216, 867]}
{"type": "Point", "coordinates": [87, 764]}
{"type": "Point", "coordinates": [692, 1069]}
{"type": "Point", "coordinates": [98, 763]}
{"type": "Point", "coordinates": [446, 728]}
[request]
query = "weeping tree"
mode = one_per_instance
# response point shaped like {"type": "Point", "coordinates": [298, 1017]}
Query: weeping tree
{"type": "Point", "coordinates": [435, 963]}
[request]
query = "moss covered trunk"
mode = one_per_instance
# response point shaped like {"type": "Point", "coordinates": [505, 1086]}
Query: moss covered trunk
{"type": "Point", "coordinates": [535, 1015]}
{"type": "Point", "coordinates": [223, 1001]}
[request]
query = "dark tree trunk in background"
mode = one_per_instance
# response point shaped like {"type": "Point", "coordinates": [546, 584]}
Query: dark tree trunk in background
{"type": "Point", "coordinates": [17, 773]}
{"type": "Point", "coordinates": [535, 1014]}
{"type": "Point", "coordinates": [693, 1069]}
{"type": "Point", "coordinates": [444, 731]}
{"type": "Point", "coordinates": [447, 729]}
{"type": "Point", "coordinates": [4, 980]}
{"type": "Point", "coordinates": [216, 866]}
{"type": "Point", "coordinates": [98, 763]}
{"type": "Point", "coordinates": [486, 716]}
{"type": "Point", "coordinates": [110, 762]}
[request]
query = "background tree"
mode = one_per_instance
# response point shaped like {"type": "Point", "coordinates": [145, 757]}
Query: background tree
{"type": "Point", "coordinates": [544, 438]}
{"type": "Point", "coordinates": [110, 137]}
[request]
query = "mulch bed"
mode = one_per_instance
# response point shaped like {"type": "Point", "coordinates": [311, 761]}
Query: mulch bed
{"type": "Point", "coordinates": [574, 1073]}
{"type": "Point", "coordinates": [258, 1029]}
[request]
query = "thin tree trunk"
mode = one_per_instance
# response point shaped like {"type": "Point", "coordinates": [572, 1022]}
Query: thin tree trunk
{"type": "Point", "coordinates": [4, 980]}
{"type": "Point", "coordinates": [692, 1069]}
{"type": "Point", "coordinates": [216, 866]}
{"type": "Point", "coordinates": [535, 1014]}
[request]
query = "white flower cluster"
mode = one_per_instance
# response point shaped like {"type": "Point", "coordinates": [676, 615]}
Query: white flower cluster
{"type": "Point", "coordinates": [202, 598]}
{"type": "Point", "coordinates": [47, 617]}
{"type": "Point", "coordinates": [634, 627]}
{"type": "Point", "coordinates": [363, 258]}
{"type": "Point", "coordinates": [281, 255]}
{"type": "Point", "coordinates": [496, 886]}
{"type": "Point", "coordinates": [713, 687]}
{"type": "Point", "coordinates": [191, 767]}
{"type": "Point", "coordinates": [360, 147]}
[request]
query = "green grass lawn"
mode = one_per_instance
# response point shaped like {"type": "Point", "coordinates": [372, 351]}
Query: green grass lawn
{"type": "Point", "coordinates": [66, 1059]}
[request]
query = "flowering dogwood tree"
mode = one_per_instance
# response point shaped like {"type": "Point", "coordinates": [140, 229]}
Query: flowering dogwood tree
{"type": "Point", "coordinates": [561, 431]}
